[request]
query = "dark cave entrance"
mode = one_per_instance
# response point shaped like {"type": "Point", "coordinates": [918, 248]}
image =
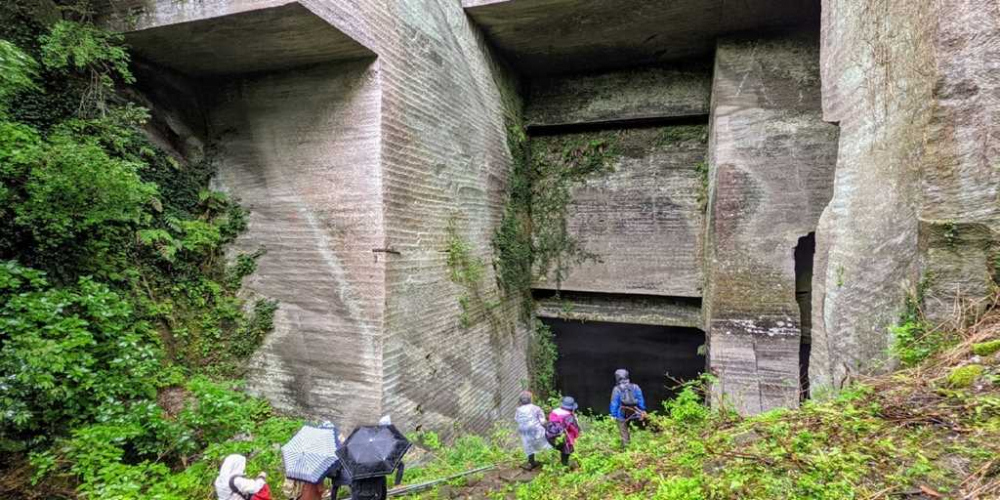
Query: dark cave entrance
{"type": "Point", "coordinates": [590, 352]}
{"type": "Point", "coordinates": [804, 254]}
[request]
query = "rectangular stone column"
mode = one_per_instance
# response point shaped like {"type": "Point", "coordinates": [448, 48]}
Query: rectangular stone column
{"type": "Point", "coordinates": [771, 164]}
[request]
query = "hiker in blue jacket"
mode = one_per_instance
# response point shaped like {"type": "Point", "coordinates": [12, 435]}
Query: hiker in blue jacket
{"type": "Point", "coordinates": [627, 403]}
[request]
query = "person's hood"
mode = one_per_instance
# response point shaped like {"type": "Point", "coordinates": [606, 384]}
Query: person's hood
{"type": "Point", "coordinates": [233, 465]}
{"type": "Point", "coordinates": [621, 375]}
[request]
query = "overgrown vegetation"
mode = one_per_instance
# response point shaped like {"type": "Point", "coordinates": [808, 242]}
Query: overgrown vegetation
{"type": "Point", "coordinates": [928, 431]}
{"type": "Point", "coordinates": [533, 241]}
{"type": "Point", "coordinates": [559, 163]}
{"type": "Point", "coordinates": [466, 270]}
{"type": "Point", "coordinates": [114, 291]}
{"type": "Point", "coordinates": [913, 338]}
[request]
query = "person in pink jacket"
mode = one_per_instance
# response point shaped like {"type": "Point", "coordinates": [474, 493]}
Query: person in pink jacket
{"type": "Point", "coordinates": [563, 429]}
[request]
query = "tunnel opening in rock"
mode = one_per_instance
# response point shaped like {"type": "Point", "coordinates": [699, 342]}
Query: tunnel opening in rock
{"type": "Point", "coordinates": [804, 253]}
{"type": "Point", "coordinates": [657, 357]}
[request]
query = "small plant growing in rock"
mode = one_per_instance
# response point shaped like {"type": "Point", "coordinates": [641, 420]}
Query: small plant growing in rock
{"type": "Point", "coordinates": [701, 168]}
{"type": "Point", "coordinates": [951, 234]}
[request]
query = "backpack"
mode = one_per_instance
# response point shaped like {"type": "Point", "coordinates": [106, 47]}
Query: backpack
{"type": "Point", "coordinates": [553, 430]}
{"type": "Point", "coordinates": [628, 395]}
{"type": "Point", "coordinates": [263, 494]}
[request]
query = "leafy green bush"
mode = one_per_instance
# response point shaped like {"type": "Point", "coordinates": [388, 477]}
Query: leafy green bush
{"type": "Point", "coordinates": [67, 351]}
{"type": "Point", "coordinates": [17, 72]}
{"type": "Point", "coordinates": [688, 407]}
{"type": "Point", "coordinates": [114, 287]}
{"type": "Point", "coordinates": [134, 452]}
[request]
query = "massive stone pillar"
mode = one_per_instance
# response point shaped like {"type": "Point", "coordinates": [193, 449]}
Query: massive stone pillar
{"type": "Point", "coordinates": [356, 132]}
{"type": "Point", "coordinates": [914, 87]}
{"type": "Point", "coordinates": [297, 148]}
{"type": "Point", "coordinates": [771, 170]}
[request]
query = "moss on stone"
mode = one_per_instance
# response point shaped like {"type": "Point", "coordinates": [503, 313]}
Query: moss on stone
{"type": "Point", "coordinates": [682, 133]}
{"type": "Point", "coordinates": [964, 376]}
{"type": "Point", "coordinates": [986, 348]}
{"type": "Point", "coordinates": [702, 169]}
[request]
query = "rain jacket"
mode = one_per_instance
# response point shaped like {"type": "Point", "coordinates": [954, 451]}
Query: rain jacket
{"type": "Point", "coordinates": [530, 419]}
{"type": "Point", "coordinates": [616, 397]}
{"type": "Point", "coordinates": [235, 465]}
{"type": "Point", "coordinates": [568, 419]}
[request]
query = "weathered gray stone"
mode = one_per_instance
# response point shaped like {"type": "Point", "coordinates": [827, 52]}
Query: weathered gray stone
{"type": "Point", "coordinates": [643, 220]}
{"type": "Point", "coordinates": [269, 39]}
{"type": "Point", "coordinates": [338, 160]}
{"type": "Point", "coordinates": [915, 89]}
{"type": "Point", "coordinates": [564, 36]}
{"type": "Point", "coordinates": [631, 95]}
{"type": "Point", "coordinates": [296, 148]}
{"type": "Point", "coordinates": [355, 171]}
{"type": "Point", "coordinates": [631, 309]}
{"type": "Point", "coordinates": [770, 170]}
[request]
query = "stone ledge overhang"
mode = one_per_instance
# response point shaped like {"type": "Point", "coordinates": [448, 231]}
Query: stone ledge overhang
{"type": "Point", "coordinates": [619, 308]}
{"type": "Point", "coordinates": [227, 38]}
{"type": "Point", "coordinates": [542, 37]}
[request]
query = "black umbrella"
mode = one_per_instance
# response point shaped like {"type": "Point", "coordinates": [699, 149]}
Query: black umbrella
{"type": "Point", "coordinates": [373, 451]}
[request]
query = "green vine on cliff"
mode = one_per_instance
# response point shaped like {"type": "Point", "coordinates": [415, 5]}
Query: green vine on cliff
{"type": "Point", "coordinates": [533, 241]}
{"type": "Point", "coordinates": [466, 270]}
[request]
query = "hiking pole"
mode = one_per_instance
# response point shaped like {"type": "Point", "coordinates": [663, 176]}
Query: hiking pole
{"type": "Point", "coordinates": [417, 488]}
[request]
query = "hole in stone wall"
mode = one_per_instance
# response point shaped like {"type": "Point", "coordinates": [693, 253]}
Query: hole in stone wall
{"type": "Point", "coordinates": [804, 252]}
{"type": "Point", "coordinates": [590, 352]}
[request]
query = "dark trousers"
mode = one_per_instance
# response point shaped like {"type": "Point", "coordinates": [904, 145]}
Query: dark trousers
{"type": "Point", "coordinates": [340, 477]}
{"type": "Point", "coordinates": [373, 488]}
{"type": "Point", "coordinates": [623, 430]}
{"type": "Point", "coordinates": [631, 414]}
{"type": "Point", "coordinates": [565, 450]}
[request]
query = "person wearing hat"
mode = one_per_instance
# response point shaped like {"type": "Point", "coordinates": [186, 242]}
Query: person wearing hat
{"type": "Point", "coordinates": [564, 417]}
{"type": "Point", "coordinates": [531, 427]}
{"type": "Point", "coordinates": [627, 404]}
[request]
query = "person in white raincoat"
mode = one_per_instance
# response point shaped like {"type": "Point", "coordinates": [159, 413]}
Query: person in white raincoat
{"type": "Point", "coordinates": [231, 477]}
{"type": "Point", "coordinates": [531, 426]}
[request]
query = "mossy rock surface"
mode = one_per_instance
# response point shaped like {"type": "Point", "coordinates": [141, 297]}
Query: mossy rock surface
{"type": "Point", "coordinates": [964, 376]}
{"type": "Point", "coordinates": [986, 348]}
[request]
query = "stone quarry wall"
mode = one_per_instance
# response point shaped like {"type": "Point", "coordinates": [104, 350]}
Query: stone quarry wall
{"type": "Point", "coordinates": [296, 148]}
{"type": "Point", "coordinates": [354, 172]}
{"type": "Point", "coordinates": [639, 94]}
{"type": "Point", "coordinates": [363, 164]}
{"type": "Point", "coordinates": [914, 88]}
{"type": "Point", "coordinates": [642, 221]}
{"type": "Point", "coordinates": [445, 162]}
{"type": "Point", "coordinates": [770, 175]}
